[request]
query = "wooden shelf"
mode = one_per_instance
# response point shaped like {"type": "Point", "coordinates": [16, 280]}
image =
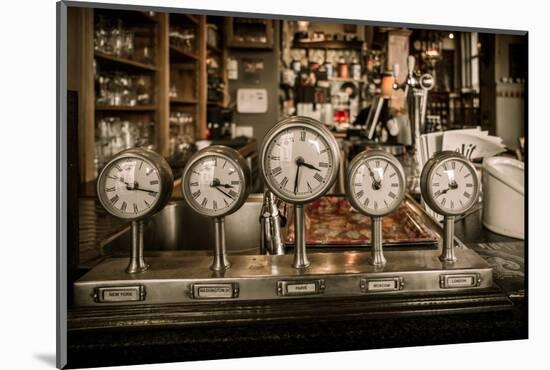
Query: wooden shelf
{"type": "Point", "coordinates": [122, 108]}
{"type": "Point", "coordinates": [183, 101]}
{"type": "Point", "coordinates": [178, 53]}
{"type": "Point", "coordinates": [129, 17]}
{"type": "Point", "coordinates": [328, 44]}
{"type": "Point", "coordinates": [249, 45]}
{"type": "Point", "coordinates": [124, 62]}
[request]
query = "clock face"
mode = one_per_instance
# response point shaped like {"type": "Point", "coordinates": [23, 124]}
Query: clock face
{"type": "Point", "coordinates": [214, 185]}
{"type": "Point", "coordinates": [299, 162]}
{"type": "Point", "coordinates": [376, 184]}
{"type": "Point", "coordinates": [129, 187]}
{"type": "Point", "coordinates": [452, 185]}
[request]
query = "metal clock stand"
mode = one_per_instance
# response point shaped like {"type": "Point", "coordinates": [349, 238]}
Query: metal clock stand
{"type": "Point", "coordinates": [137, 263]}
{"type": "Point", "coordinates": [448, 252]}
{"type": "Point", "coordinates": [378, 258]}
{"type": "Point", "coordinates": [220, 263]}
{"type": "Point", "coordinates": [300, 254]}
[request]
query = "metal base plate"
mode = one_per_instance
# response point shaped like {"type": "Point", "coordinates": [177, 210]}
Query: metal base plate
{"type": "Point", "coordinates": [178, 277]}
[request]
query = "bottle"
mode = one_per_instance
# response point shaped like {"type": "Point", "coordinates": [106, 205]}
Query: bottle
{"type": "Point", "coordinates": [355, 69]}
{"type": "Point", "coordinates": [343, 68]}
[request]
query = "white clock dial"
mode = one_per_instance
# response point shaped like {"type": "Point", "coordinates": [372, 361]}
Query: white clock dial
{"type": "Point", "coordinates": [215, 184]}
{"type": "Point", "coordinates": [453, 185]}
{"type": "Point", "coordinates": [299, 163]}
{"type": "Point", "coordinates": [449, 183]}
{"type": "Point", "coordinates": [130, 187]}
{"type": "Point", "coordinates": [376, 183]}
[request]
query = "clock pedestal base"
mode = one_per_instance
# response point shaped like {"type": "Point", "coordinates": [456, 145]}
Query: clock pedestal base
{"type": "Point", "coordinates": [137, 263]}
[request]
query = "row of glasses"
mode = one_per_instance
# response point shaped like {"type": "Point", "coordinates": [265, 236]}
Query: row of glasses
{"type": "Point", "coordinates": [113, 38]}
{"type": "Point", "coordinates": [182, 133]}
{"type": "Point", "coordinates": [122, 89]}
{"type": "Point", "coordinates": [183, 38]}
{"type": "Point", "coordinates": [114, 134]}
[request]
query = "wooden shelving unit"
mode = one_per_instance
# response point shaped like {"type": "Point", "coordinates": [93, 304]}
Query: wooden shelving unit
{"type": "Point", "coordinates": [123, 62]}
{"type": "Point", "coordinates": [167, 62]}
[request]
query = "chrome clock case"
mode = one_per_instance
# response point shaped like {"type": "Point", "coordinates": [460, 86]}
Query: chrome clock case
{"type": "Point", "coordinates": [310, 124]}
{"type": "Point", "coordinates": [438, 160]}
{"type": "Point", "coordinates": [156, 161]}
{"type": "Point", "coordinates": [136, 262]}
{"type": "Point", "coordinates": [359, 160]}
{"type": "Point", "coordinates": [226, 153]}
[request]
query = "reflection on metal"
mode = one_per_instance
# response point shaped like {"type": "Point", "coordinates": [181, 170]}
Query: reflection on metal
{"type": "Point", "coordinates": [220, 262]}
{"type": "Point", "coordinates": [270, 219]}
{"type": "Point", "coordinates": [377, 252]}
{"type": "Point", "coordinates": [172, 273]}
{"type": "Point", "coordinates": [300, 255]}
{"type": "Point", "coordinates": [448, 252]}
{"type": "Point", "coordinates": [137, 263]}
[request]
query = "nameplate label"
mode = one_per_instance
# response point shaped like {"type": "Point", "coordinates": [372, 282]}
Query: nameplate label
{"type": "Point", "coordinates": [120, 294]}
{"type": "Point", "coordinates": [459, 281]}
{"type": "Point", "coordinates": [382, 285]}
{"type": "Point", "coordinates": [214, 291]}
{"type": "Point", "coordinates": [299, 288]}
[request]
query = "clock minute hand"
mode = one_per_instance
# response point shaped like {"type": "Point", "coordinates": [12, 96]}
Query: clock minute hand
{"type": "Point", "coordinates": [376, 183]}
{"type": "Point", "coordinates": [135, 187]}
{"type": "Point", "coordinates": [223, 192]}
{"type": "Point", "coordinates": [298, 165]}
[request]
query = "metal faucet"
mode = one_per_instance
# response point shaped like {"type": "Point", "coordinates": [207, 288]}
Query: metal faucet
{"type": "Point", "coordinates": [271, 222]}
{"type": "Point", "coordinates": [416, 89]}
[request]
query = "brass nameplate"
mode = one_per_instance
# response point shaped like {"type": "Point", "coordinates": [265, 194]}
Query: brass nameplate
{"type": "Point", "coordinates": [298, 288]}
{"type": "Point", "coordinates": [214, 291]}
{"type": "Point", "coordinates": [454, 281]}
{"type": "Point", "coordinates": [120, 294]}
{"type": "Point", "coordinates": [382, 285]}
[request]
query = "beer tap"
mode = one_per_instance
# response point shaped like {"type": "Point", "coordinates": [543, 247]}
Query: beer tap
{"type": "Point", "coordinates": [271, 222]}
{"type": "Point", "coordinates": [416, 89]}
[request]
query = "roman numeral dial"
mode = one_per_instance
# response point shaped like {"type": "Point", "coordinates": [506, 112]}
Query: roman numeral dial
{"type": "Point", "coordinates": [375, 183]}
{"type": "Point", "coordinates": [450, 184]}
{"type": "Point", "coordinates": [299, 162]}
{"type": "Point", "coordinates": [213, 182]}
{"type": "Point", "coordinates": [131, 187]}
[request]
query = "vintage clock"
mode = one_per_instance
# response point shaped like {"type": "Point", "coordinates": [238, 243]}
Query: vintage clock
{"type": "Point", "coordinates": [450, 187]}
{"type": "Point", "coordinates": [134, 185]}
{"type": "Point", "coordinates": [215, 184]}
{"type": "Point", "coordinates": [375, 186]}
{"type": "Point", "coordinates": [300, 160]}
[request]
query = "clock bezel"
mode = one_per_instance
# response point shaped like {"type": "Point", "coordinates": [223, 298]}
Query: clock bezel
{"type": "Point", "coordinates": [427, 175]}
{"type": "Point", "coordinates": [241, 167]}
{"type": "Point", "coordinates": [359, 160]}
{"type": "Point", "coordinates": [321, 130]}
{"type": "Point", "coordinates": [155, 160]}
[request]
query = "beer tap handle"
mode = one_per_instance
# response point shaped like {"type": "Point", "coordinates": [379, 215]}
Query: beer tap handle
{"type": "Point", "coordinates": [410, 64]}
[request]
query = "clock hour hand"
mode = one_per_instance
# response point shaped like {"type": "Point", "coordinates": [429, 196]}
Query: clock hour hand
{"type": "Point", "coordinates": [310, 166]}
{"type": "Point", "coordinates": [452, 185]}
{"type": "Point", "coordinates": [216, 183]}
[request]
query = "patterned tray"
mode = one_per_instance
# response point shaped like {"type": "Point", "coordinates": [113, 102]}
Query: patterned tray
{"type": "Point", "coordinates": [332, 221]}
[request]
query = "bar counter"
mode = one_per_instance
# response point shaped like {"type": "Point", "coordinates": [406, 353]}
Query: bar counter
{"type": "Point", "coordinates": [177, 332]}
